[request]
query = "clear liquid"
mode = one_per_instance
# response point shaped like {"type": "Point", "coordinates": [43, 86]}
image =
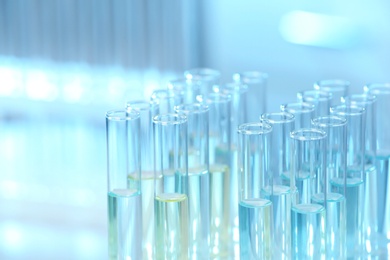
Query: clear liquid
{"type": "Point", "coordinates": [354, 194]}
{"type": "Point", "coordinates": [300, 193]}
{"type": "Point", "coordinates": [308, 231]}
{"type": "Point", "coordinates": [383, 191]}
{"type": "Point", "coordinates": [219, 210]}
{"type": "Point", "coordinates": [234, 222]}
{"type": "Point", "coordinates": [147, 191]}
{"type": "Point", "coordinates": [199, 213]}
{"type": "Point", "coordinates": [281, 202]}
{"type": "Point", "coordinates": [256, 224]}
{"type": "Point", "coordinates": [125, 224]}
{"type": "Point", "coordinates": [336, 222]}
{"type": "Point", "coordinates": [171, 226]}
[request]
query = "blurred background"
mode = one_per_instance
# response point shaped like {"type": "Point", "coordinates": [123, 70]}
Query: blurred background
{"type": "Point", "coordinates": [63, 64]}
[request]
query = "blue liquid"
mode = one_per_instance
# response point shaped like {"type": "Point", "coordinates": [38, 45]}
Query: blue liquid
{"type": "Point", "coordinates": [281, 202]}
{"type": "Point", "coordinates": [255, 216]}
{"type": "Point", "coordinates": [354, 193]}
{"type": "Point", "coordinates": [308, 231]}
{"type": "Point", "coordinates": [336, 224]}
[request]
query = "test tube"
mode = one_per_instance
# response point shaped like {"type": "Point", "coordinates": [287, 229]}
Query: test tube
{"type": "Point", "coordinates": [338, 87]}
{"type": "Point", "coordinates": [220, 179]}
{"type": "Point", "coordinates": [370, 183]}
{"type": "Point", "coordinates": [238, 116]}
{"type": "Point", "coordinates": [171, 194]}
{"type": "Point", "coordinates": [166, 100]}
{"type": "Point", "coordinates": [208, 79]}
{"type": "Point", "coordinates": [382, 129]}
{"type": "Point", "coordinates": [354, 183]}
{"type": "Point", "coordinates": [303, 112]}
{"type": "Point", "coordinates": [124, 197]}
{"type": "Point", "coordinates": [308, 224]}
{"type": "Point", "coordinates": [257, 92]}
{"type": "Point", "coordinates": [189, 89]}
{"type": "Point", "coordinates": [336, 144]}
{"type": "Point", "coordinates": [198, 177]}
{"type": "Point", "coordinates": [255, 181]}
{"type": "Point", "coordinates": [280, 166]}
{"type": "Point", "coordinates": [320, 99]}
{"type": "Point", "coordinates": [147, 111]}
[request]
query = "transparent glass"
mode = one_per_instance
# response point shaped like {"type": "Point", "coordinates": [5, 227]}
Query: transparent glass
{"type": "Point", "coordinates": [147, 111]}
{"type": "Point", "coordinates": [338, 87]}
{"type": "Point", "coordinates": [370, 183]}
{"type": "Point", "coordinates": [255, 181]}
{"type": "Point", "coordinates": [171, 193]}
{"type": "Point", "coordinates": [166, 100]}
{"type": "Point", "coordinates": [280, 166]}
{"type": "Point", "coordinates": [320, 99]}
{"type": "Point", "coordinates": [124, 197]}
{"type": "Point", "coordinates": [355, 176]}
{"type": "Point", "coordinates": [382, 129]}
{"type": "Point", "coordinates": [189, 89]}
{"type": "Point", "coordinates": [308, 214]}
{"type": "Point", "coordinates": [208, 79]}
{"type": "Point", "coordinates": [303, 112]}
{"type": "Point", "coordinates": [336, 164]}
{"type": "Point", "coordinates": [221, 232]}
{"type": "Point", "coordinates": [198, 177]}
{"type": "Point", "coordinates": [238, 93]}
{"type": "Point", "coordinates": [257, 92]}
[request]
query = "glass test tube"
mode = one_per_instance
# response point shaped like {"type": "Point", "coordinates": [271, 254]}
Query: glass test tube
{"type": "Point", "coordinates": [336, 233]}
{"type": "Point", "coordinates": [171, 194]}
{"type": "Point", "coordinates": [370, 183]}
{"type": "Point", "coordinates": [257, 89]}
{"type": "Point", "coordinates": [147, 111]}
{"type": "Point", "coordinates": [338, 87]}
{"type": "Point", "coordinates": [320, 99]}
{"type": "Point", "coordinates": [124, 197]}
{"type": "Point", "coordinates": [303, 112]}
{"type": "Point", "coordinates": [220, 179]}
{"type": "Point", "coordinates": [238, 93]}
{"type": "Point", "coordinates": [308, 213]}
{"type": "Point", "coordinates": [189, 89]}
{"type": "Point", "coordinates": [166, 100]}
{"type": "Point", "coordinates": [198, 177]}
{"type": "Point", "coordinates": [280, 166]}
{"type": "Point", "coordinates": [382, 126]}
{"type": "Point", "coordinates": [354, 184]}
{"type": "Point", "coordinates": [255, 181]}
{"type": "Point", "coordinates": [208, 79]}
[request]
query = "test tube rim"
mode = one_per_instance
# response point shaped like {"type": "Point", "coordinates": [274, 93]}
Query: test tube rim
{"type": "Point", "coordinates": [332, 85]}
{"type": "Point", "coordinates": [184, 108]}
{"type": "Point", "coordinates": [305, 107]}
{"type": "Point", "coordinates": [289, 117]}
{"type": "Point", "coordinates": [321, 134]}
{"type": "Point", "coordinates": [159, 119]}
{"type": "Point", "coordinates": [122, 115]}
{"type": "Point", "coordinates": [341, 121]}
{"type": "Point", "coordinates": [265, 128]}
{"type": "Point", "coordinates": [338, 110]}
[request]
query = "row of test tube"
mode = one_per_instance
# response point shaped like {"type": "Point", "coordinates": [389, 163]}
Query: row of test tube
{"type": "Point", "coordinates": [201, 171]}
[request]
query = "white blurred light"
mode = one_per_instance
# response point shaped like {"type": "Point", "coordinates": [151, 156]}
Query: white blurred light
{"type": "Point", "coordinates": [318, 30]}
{"type": "Point", "coordinates": [39, 87]}
{"type": "Point", "coordinates": [12, 236]}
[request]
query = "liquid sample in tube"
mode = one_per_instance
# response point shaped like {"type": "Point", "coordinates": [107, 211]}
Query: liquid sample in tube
{"type": "Point", "coordinates": [308, 231]}
{"type": "Point", "coordinates": [199, 213]}
{"type": "Point", "coordinates": [171, 218]}
{"type": "Point", "coordinates": [255, 217]}
{"type": "Point", "coordinates": [354, 194]}
{"type": "Point", "coordinates": [335, 224]}
{"type": "Point", "coordinates": [281, 202]}
{"type": "Point", "coordinates": [125, 224]}
{"type": "Point", "coordinates": [219, 209]}
{"type": "Point", "coordinates": [147, 189]}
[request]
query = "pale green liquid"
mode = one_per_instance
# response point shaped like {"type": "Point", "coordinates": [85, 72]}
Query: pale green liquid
{"type": "Point", "coordinates": [124, 224]}
{"type": "Point", "coordinates": [171, 226]}
{"type": "Point", "coordinates": [199, 213]}
{"type": "Point", "coordinates": [255, 217]}
{"type": "Point", "coordinates": [147, 190]}
{"type": "Point", "coordinates": [219, 210]}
